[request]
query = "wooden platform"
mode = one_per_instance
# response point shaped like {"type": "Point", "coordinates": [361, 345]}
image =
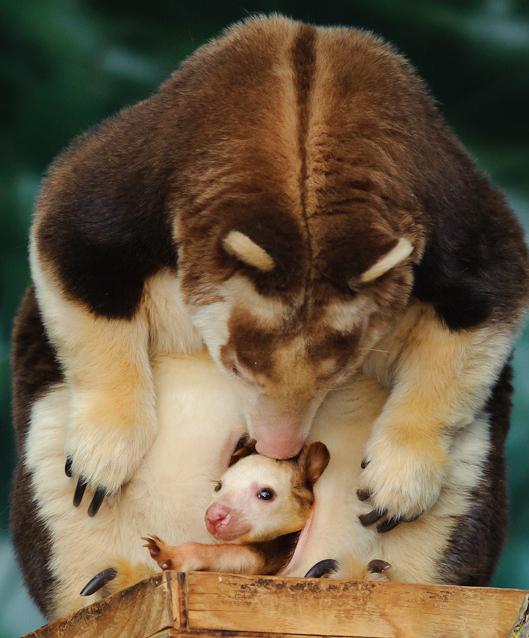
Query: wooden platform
{"type": "Point", "coordinates": [209, 604]}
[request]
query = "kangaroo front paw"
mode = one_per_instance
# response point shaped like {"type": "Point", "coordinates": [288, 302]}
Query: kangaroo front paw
{"type": "Point", "coordinates": [400, 481]}
{"type": "Point", "coordinates": [104, 449]}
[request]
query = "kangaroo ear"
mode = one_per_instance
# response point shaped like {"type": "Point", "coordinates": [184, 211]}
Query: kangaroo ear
{"type": "Point", "coordinates": [395, 255]}
{"type": "Point", "coordinates": [312, 461]}
{"type": "Point", "coordinates": [246, 250]}
{"type": "Point", "coordinates": [245, 447]}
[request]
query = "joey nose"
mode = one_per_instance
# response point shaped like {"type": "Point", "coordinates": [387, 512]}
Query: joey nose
{"type": "Point", "coordinates": [215, 515]}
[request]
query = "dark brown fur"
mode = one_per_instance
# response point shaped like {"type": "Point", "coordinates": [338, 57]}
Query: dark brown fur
{"type": "Point", "coordinates": [35, 369]}
{"type": "Point", "coordinates": [479, 536]}
{"type": "Point", "coordinates": [209, 148]}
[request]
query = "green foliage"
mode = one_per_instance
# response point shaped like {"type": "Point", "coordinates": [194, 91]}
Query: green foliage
{"type": "Point", "coordinates": [66, 64]}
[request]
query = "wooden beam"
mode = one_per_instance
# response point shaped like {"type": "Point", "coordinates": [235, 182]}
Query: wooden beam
{"type": "Point", "coordinates": [521, 627]}
{"type": "Point", "coordinates": [142, 611]}
{"type": "Point", "coordinates": [207, 604]}
{"type": "Point", "coordinates": [344, 608]}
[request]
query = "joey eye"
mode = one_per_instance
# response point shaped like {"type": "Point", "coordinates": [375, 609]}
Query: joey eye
{"type": "Point", "coordinates": [218, 486]}
{"type": "Point", "coordinates": [266, 494]}
{"type": "Point", "coordinates": [235, 371]}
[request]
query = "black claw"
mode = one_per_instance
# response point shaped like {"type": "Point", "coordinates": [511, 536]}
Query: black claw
{"type": "Point", "coordinates": [377, 566]}
{"type": "Point", "coordinates": [68, 467]}
{"type": "Point", "coordinates": [98, 581]}
{"type": "Point", "coordinates": [372, 517]}
{"type": "Point", "coordinates": [96, 501]}
{"type": "Point", "coordinates": [323, 568]}
{"type": "Point", "coordinates": [79, 491]}
{"type": "Point", "coordinates": [365, 463]}
{"type": "Point", "coordinates": [363, 495]}
{"type": "Point", "coordinates": [388, 525]}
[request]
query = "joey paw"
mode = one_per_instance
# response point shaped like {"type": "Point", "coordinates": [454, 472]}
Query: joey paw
{"type": "Point", "coordinates": [181, 558]}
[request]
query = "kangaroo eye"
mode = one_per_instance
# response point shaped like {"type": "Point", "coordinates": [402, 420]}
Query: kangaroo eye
{"type": "Point", "coordinates": [235, 371]}
{"type": "Point", "coordinates": [266, 494]}
{"type": "Point", "coordinates": [218, 486]}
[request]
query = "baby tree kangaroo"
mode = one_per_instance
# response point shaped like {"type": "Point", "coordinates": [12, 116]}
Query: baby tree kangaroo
{"type": "Point", "coordinates": [260, 505]}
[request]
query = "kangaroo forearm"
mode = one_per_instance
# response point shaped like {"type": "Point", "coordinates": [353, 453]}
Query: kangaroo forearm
{"type": "Point", "coordinates": [440, 380]}
{"type": "Point", "coordinates": [104, 360]}
{"type": "Point", "coordinates": [443, 377]}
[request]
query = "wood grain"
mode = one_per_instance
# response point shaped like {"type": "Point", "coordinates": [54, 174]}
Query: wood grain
{"type": "Point", "coordinates": [142, 611]}
{"type": "Point", "coordinates": [341, 608]}
{"type": "Point", "coordinates": [207, 604]}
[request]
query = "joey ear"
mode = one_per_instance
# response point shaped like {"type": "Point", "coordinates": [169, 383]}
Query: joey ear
{"type": "Point", "coordinates": [245, 447]}
{"type": "Point", "coordinates": [313, 460]}
{"type": "Point", "coordinates": [395, 255]}
{"type": "Point", "coordinates": [246, 250]}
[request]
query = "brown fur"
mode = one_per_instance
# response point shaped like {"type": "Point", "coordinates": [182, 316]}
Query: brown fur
{"type": "Point", "coordinates": [314, 175]}
{"type": "Point", "coordinates": [323, 147]}
{"type": "Point", "coordinates": [485, 524]}
{"type": "Point", "coordinates": [267, 557]}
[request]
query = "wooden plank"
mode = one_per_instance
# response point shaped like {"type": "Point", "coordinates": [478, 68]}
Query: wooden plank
{"type": "Point", "coordinates": [216, 633]}
{"type": "Point", "coordinates": [142, 611]}
{"type": "Point", "coordinates": [217, 602]}
{"type": "Point", "coordinates": [521, 627]}
{"type": "Point", "coordinates": [205, 604]}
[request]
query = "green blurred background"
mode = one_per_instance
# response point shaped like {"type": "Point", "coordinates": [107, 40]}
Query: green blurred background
{"type": "Point", "coordinates": [66, 64]}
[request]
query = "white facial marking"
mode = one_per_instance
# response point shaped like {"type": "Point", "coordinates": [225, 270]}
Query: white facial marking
{"type": "Point", "coordinates": [212, 323]}
{"type": "Point", "coordinates": [345, 316]}
{"type": "Point", "coordinates": [240, 292]}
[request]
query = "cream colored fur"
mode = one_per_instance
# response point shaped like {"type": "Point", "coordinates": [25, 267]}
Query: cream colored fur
{"type": "Point", "coordinates": [439, 382]}
{"type": "Point", "coordinates": [107, 363]}
{"type": "Point", "coordinates": [199, 423]}
{"type": "Point", "coordinates": [344, 424]}
{"type": "Point", "coordinates": [169, 494]}
{"type": "Point", "coordinates": [284, 513]}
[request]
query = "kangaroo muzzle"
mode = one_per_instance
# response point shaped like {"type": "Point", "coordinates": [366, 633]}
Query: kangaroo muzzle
{"type": "Point", "coordinates": [281, 429]}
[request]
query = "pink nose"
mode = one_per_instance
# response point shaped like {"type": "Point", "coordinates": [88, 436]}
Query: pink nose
{"type": "Point", "coordinates": [215, 514]}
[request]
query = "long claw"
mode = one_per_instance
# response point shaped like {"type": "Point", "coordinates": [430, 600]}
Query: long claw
{"type": "Point", "coordinates": [323, 568]}
{"type": "Point", "coordinates": [365, 463]}
{"type": "Point", "coordinates": [372, 517]}
{"type": "Point", "coordinates": [96, 501]}
{"type": "Point", "coordinates": [79, 491]}
{"type": "Point", "coordinates": [98, 581]}
{"type": "Point", "coordinates": [68, 467]}
{"type": "Point", "coordinates": [388, 525]}
{"type": "Point", "coordinates": [377, 566]}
